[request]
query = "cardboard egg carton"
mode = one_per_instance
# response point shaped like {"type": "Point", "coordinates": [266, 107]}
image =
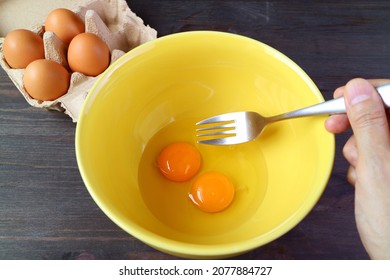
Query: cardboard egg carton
{"type": "Point", "coordinates": [113, 22]}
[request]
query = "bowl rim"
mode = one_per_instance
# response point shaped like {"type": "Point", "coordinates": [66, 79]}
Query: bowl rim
{"type": "Point", "coordinates": [179, 248]}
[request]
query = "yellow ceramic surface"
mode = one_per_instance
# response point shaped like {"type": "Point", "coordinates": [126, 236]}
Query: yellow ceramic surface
{"type": "Point", "coordinates": [161, 89]}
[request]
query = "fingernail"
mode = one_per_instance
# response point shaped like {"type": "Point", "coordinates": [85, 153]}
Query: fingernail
{"type": "Point", "coordinates": [357, 91]}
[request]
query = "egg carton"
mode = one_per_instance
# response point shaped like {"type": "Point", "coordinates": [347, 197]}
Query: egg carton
{"type": "Point", "coordinates": [111, 20]}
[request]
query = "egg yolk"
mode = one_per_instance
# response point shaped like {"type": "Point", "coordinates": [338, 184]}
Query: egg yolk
{"type": "Point", "coordinates": [179, 161]}
{"type": "Point", "coordinates": [212, 192]}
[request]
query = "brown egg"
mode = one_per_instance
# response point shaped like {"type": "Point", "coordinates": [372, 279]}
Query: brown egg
{"type": "Point", "coordinates": [21, 47]}
{"type": "Point", "coordinates": [88, 54]}
{"type": "Point", "coordinates": [65, 24]}
{"type": "Point", "coordinates": [46, 80]}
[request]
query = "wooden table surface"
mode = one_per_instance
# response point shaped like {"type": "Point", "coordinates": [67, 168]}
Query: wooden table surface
{"type": "Point", "coordinates": [45, 209]}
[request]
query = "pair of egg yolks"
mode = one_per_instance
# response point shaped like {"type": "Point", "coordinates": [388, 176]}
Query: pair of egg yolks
{"type": "Point", "coordinates": [211, 192]}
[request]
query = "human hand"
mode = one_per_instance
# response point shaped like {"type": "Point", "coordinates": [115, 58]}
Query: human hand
{"type": "Point", "coordinates": [368, 152]}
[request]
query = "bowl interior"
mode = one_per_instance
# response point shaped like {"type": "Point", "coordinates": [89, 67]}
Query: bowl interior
{"type": "Point", "coordinates": [191, 76]}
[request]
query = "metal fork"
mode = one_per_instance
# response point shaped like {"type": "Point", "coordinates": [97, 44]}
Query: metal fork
{"type": "Point", "coordinates": [241, 127]}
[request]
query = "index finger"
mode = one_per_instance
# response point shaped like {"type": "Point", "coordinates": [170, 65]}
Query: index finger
{"type": "Point", "coordinates": [379, 82]}
{"type": "Point", "coordinates": [337, 123]}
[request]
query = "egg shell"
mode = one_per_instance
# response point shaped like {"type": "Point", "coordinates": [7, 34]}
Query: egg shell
{"type": "Point", "coordinates": [22, 46]}
{"type": "Point", "coordinates": [65, 24]}
{"type": "Point", "coordinates": [88, 54]}
{"type": "Point", "coordinates": [46, 79]}
{"type": "Point", "coordinates": [113, 22]}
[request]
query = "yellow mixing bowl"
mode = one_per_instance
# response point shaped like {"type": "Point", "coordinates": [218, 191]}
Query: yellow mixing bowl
{"type": "Point", "coordinates": [194, 75]}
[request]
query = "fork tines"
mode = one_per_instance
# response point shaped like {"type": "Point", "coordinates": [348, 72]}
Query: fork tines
{"type": "Point", "coordinates": [213, 129]}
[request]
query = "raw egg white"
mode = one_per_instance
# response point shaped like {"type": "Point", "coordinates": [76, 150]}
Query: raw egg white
{"type": "Point", "coordinates": [224, 193]}
{"type": "Point", "coordinates": [180, 162]}
{"type": "Point", "coordinates": [21, 47]}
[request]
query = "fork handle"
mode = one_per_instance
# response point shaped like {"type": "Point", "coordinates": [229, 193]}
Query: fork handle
{"type": "Point", "coordinates": [334, 106]}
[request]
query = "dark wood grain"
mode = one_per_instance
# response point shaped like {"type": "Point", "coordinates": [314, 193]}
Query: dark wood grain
{"type": "Point", "coordinates": [47, 213]}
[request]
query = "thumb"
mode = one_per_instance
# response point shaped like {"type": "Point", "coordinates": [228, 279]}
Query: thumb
{"type": "Point", "coordinates": [367, 116]}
